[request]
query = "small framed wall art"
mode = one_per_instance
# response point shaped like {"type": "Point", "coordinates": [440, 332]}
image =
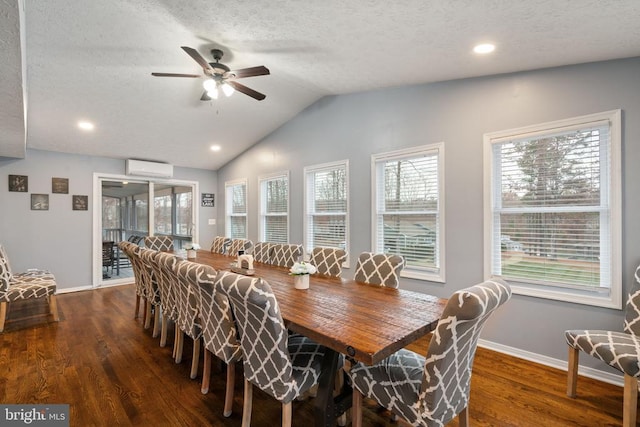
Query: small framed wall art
{"type": "Point", "coordinates": [39, 202]}
{"type": "Point", "coordinates": [60, 185]}
{"type": "Point", "coordinates": [80, 203]}
{"type": "Point", "coordinates": [208, 200]}
{"type": "Point", "coordinates": [19, 183]}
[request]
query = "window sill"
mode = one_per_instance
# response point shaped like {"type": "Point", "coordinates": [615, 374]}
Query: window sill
{"type": "Point", "coordinates": [607, 300]}
{"type": "Point", "coordinates": [427, 276]}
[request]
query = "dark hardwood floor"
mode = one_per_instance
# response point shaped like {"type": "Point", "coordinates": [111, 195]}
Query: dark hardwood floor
{"type": "Point", "coordinates": [112, 372]}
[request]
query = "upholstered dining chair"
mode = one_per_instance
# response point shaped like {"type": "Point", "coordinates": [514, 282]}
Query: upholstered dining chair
{"type": "Point", "coordinates": [262, 252]}
{"type": "Point", "coordinates": [379, 269]}
{"type": "Point", "coordinates": [432, 390]}
{"type": "Point", "coordinates": [143, 272]}
{"type": "Point", "coordinates": [167, 292]}
{"type": "Point", "coordinates": [219, 332]}
{"type": "Point", "coordinates": [108, 258]}
{"type": "Point", "coordinates": [238, 245]}
{"type": "Point", "coordinates": [328, 261]}
{"type": "Point", "coordinates": [282, 365]}
{"type": "Point", "coordinates": [22, 286]}
{"type": "Point", "coordinates": [159, 243]}
{"type": "Point", "coordinates": [220, 244]}
{"type": "Point", "coordinates": [188, 320]}
{"type": "Point", "coordinates": [620, 350]}
{"type": "Point", "coordinates": [126, 248]}
{"type": "Point", "coordinates": [286, 255]}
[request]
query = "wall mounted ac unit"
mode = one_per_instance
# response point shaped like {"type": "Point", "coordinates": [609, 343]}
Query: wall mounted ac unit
{"type": "Point", "coordinates": [143, 168]}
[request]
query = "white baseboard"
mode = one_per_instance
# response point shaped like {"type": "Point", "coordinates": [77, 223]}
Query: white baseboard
{"type": "Point", "coordinates": [596, 374]}
{"type": "Point", "coordinates": [89, 288]}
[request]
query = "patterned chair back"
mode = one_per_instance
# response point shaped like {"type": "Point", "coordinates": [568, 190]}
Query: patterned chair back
{"type": "Point", "coordinates": [286, 255]}
{"type": "Point", "coordinates": [219, 245]}
{"type": "Point", "coordinates": [263, 335]}
{"type": "Point", "coordinates": [632, 308]}
{"type": "Point", "coordinates": [184, 276]}
{"type": "Point", "coordinates": [379, 269]}
{"type": "Point", "coordinates": [143, 271]}
{"type": "Point", "coordinates": [127, 248]}
{"type": "Point", "coordinates": [159, 243]}
{"type": "Point", "coordinates": [262, 252]}
{"type": "Point", "coordinates": [163, 279]}
{"type": "Point", "coordinates": [219, 331]}
{"type": "Point", "coordinates": [239, 245]}
{"type": "Point", "coordinates": [328, 261]}
{"type": "Point", "coordinates": [447, 373]}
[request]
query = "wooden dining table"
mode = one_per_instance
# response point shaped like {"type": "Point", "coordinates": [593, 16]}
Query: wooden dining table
{"type": "Point", "coordinates": [366, 323]}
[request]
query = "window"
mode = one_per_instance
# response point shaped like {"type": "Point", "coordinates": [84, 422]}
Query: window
{"type": "Point", "coordinates": [552, 209]}
{"type": "Point", "coordinates": [327, 206]}
{"type": "Point", "coordinates": [274, 208]}
{"type": "Point", "coordinates": [184, 215]}
{"type": "Point", "coordinates": [407, 209]}
{"type": "Point", "coordinates": [236, 207]}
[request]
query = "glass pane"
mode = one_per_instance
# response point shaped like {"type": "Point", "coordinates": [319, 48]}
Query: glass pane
{"type": "Point", "coordinates": [162, 214]}
{"type": "Point", "coordinates": [275, 229]}
{"type": "Point", "coordinates": [413, 236]}
{"type": "Point", "coordinates": [184, 213]}
{"type": "Point", "coordinates": [239, 199]}
{"type": "Point", "coordinates": [142, 216]}
{"type": "Point", "coordinates": [411, 184]}
{"type": "Point", "coordinates": [551, 247]}
{"type": "Point", "coordinates": [563, 170]}
{"type": "Point", "coordinates": [277, 195]}
{"type": "Point", "coordinates": [238, 227]}
{"type": "Point", "coordinates": [328, 230]}
{"type": "Point", "coordinates": [330, 190]}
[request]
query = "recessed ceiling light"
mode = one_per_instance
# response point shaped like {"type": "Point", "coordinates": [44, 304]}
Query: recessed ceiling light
{"type": "Point", "coordinates": [85, 125]}
{"type": "Point", "coordinates": [484, 48]}
{"type": "Point", "coordinates": [215, 148]}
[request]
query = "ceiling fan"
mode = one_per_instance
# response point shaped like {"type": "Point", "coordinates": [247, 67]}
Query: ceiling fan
{"type": "Point", "coordinates": [220, 77]}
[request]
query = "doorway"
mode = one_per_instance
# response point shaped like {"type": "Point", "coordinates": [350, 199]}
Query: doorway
{"type": "Point", "coordinates": [130, 210]}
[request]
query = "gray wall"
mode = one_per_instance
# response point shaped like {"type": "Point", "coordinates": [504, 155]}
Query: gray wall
{"type": "Point", "coordinates": [60, 239]}
{"type": "Point", "coordinates": [459, 113]}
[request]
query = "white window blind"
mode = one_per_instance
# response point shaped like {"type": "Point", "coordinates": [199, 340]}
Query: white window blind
{"type": "Point", "coordinates": [327, 207]}
{"type": "Point", "coordinates": [274, 206]}
{"type": "Point", "coordinates": [554, 213]}
{"type": "Point", "coordinates": [407, 208]}
{"type": "Point", "coordinates": [236, 209]}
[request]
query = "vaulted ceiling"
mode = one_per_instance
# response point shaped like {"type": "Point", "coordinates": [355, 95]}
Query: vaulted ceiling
{"type": "Point", "coordinates": [88, 60]}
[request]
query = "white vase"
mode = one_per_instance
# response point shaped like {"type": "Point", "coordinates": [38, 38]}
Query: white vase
{"type": "Point", "coordinates": [191, 253]}
{"type": "Point", "coordinates": [301, 281]}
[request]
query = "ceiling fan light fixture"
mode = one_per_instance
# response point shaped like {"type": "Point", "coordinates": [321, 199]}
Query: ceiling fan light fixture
{"type": "Point", "coordinates": [213, 94]}
{"type": "Point", "coordinates": [228, 89]}
{"type": "Point", "coordinates": [209, 85]}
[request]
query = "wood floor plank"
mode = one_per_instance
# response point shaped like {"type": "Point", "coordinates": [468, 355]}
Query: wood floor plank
{"type": "Point", "coordinates": [112, 372]}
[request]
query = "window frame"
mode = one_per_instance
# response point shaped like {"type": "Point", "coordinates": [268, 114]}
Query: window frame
{"type": "Point", "coordinates": [229, 207]}
{"type": "Point", "coordinates": [611, 184]}
{"type": "Point", "coordinates": [262, 182]}
{"type": "Point", "coordinates": [426, 274]}
{"type": "Point", "coordinates": [313, 169]}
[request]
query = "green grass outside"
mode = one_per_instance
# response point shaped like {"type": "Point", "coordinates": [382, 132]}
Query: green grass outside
{"type": "Point", "coordinates": [550, 271]}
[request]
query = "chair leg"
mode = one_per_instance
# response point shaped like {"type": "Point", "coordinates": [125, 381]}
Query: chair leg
{"type": "Point", "coordinates": [146, 319]}
{"type": "Point", "coordinates": [356, 409]}
{"type": "Point", "coordinates": [195, 358]}
{"type": "Point", "coordinates": [246, 406]}
{"type": "Point", "coordinates": [228, 396]}
{"type": "Point", "coordinates": [206, 372]}
{"type": "Point", "coordinates": [156, 321]}
{"type": "Point", "coordinates": [178, 346]}
{"type": "Point", "coordinates": [463, 417]}
{"type": "Point", "coordinates": [53, 308]}
{"type": "Point", "coordinates": [630, 405]}
{"type": "Point", "coordinates": [135, 314]}
{"type": "Point", "coordinates": [163, 334]}
{"type": "Point", "coordinates": [3, 314]}
{"type": "Point", "coordinates": [572, 371]}
{"type": "Point", "coordinates": [286, 414]}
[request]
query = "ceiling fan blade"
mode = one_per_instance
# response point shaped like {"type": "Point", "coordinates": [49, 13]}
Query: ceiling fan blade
{"type": "Point", "coordinates": [197, 57]}
{"type": "Point", "coordinates": [175, 75]}
{"type": "Point", "coordinates": [205, 97]}
{"type": "Point", "coordinates": [249, 72]}
{"type": "Point", "coordinates": [247, 91]}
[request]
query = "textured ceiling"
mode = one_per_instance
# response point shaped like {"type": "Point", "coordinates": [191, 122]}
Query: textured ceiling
{"type": "Point", "coordinates": [93, 60]}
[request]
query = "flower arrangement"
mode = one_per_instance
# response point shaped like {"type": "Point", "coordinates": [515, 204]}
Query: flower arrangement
{"type": "Point", "coordinates": [192, 246]}
{"type": "Point", "coordinates": [302, 268]}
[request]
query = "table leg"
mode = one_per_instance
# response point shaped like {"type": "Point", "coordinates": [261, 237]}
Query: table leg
{"type": "Point", "coordinates": [327, 407]}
